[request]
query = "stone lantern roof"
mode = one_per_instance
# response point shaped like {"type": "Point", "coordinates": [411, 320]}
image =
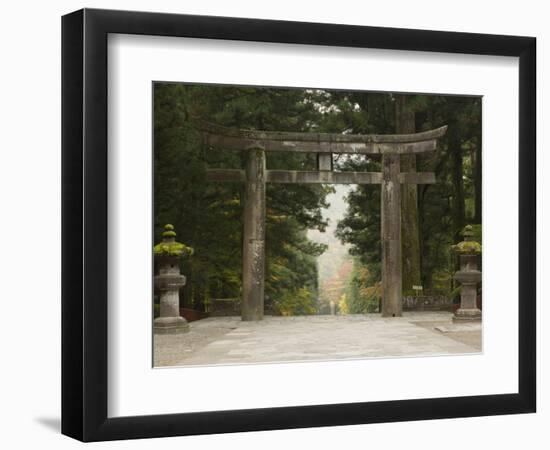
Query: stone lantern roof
{"type": "Point", "coordinates": [169, 246]}
{"type": "Point", "coordinates": [468, 246]}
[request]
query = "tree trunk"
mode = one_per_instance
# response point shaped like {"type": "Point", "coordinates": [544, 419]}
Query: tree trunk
{"type": "Point", "coordinates": [477, 183]}
{"type": "Point", "coordinates": [410, 233]}
{"type": "Point", "coordinates": [458, 209]}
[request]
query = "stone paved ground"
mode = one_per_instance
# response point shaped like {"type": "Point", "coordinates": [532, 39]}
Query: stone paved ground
{"type": "Point", "coordinates": [228, 340]}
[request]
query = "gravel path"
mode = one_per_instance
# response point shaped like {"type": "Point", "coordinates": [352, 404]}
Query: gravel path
{"type": "Point", "coordinates": [172, 348]}
{"type": "Point", "coordinates": [228, 340]}
{"type": "Point", "coordinates": [466, 333]}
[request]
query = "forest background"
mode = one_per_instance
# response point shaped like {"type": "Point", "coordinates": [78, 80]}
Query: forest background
{"type": "Point", "coordinates": [208, 216]}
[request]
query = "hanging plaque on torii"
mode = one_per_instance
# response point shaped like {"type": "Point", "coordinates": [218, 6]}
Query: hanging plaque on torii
{"type": "Point", "coordinates": [255, 176]}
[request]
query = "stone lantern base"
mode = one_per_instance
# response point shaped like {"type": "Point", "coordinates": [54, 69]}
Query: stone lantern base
{"type": "Point", "coordinates": [170, 325]}
{"type": "Point", "coordinates": [467, 315]}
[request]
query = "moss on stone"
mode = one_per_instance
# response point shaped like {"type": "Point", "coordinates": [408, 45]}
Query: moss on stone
{"type": "Point", "coordinates": [467, 247]}
{"type": "Point", "coordinates": [169, 246]}
{"type": "Point", "coordinates": [172, 249]}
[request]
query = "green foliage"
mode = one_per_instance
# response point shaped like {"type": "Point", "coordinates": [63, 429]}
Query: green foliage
{"type": "Point", "coordinates": [477, 234]}
{"type": "Point", "coordinates": [295, 302]}
{"type": "Point", "coordinates": [362, 295]}
{"type": "Point", "coordinates": [442, 281]}
{"type": "Point", "coordinates": [208, 216]}
{"type": "Point", "coordinates": [444, 207]}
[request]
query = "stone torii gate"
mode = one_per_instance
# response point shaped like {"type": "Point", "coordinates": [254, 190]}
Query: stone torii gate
{"type": "Point", "coordinates": [255, 176]}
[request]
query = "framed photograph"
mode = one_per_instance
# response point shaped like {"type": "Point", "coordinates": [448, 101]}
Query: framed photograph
{"type": "Point", "coordinates": [273, 224]}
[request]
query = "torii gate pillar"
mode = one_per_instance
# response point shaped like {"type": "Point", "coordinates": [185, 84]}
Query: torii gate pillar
{"type": "Point", "coordinates": [391, 236]}
{"type": "Point", "coordinates": [252, 307]}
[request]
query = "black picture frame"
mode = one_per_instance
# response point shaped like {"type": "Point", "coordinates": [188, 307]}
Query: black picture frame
{"type": "Point", "coordinates": [84, 224]}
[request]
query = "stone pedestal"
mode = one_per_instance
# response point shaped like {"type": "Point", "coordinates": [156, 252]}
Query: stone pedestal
{"type": "Point", "coordinates": [468, 276]}
{"type": "Point", "coordinates": [169, 281]}
{"type": "Point", "coordinates": [468, 310]}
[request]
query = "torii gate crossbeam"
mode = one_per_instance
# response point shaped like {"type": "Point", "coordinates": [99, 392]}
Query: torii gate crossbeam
{"type": "Point", "coordinates": [255, 176]}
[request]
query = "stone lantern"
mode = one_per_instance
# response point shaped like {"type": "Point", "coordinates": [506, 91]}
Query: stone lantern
{"type": "Point", "coordinates": [168, 281]}
{"type": "Point", "coordinates": [468, 276]}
